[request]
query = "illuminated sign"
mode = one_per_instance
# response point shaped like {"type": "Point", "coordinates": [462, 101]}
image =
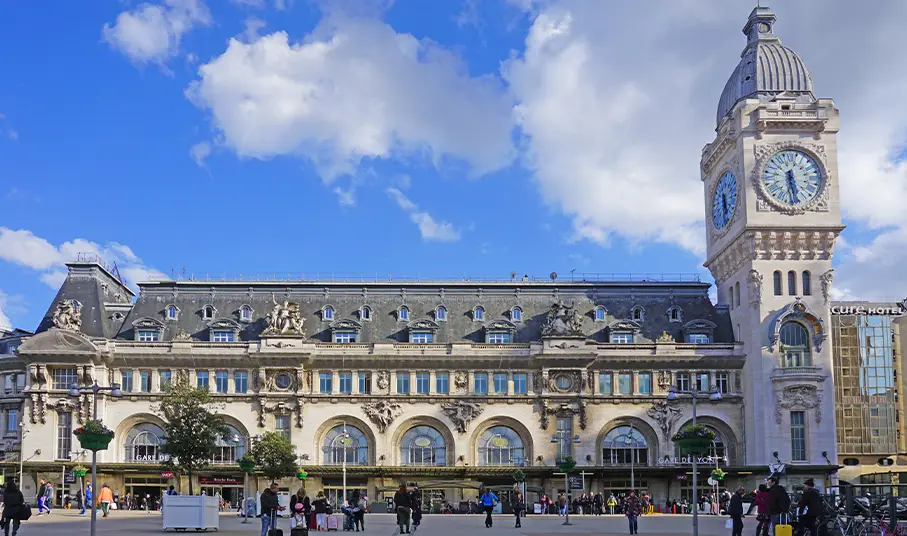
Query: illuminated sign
{"type": "Point", "coordinates": [688, 460]}
{"type": "Point", "coordinates": [881, 309]}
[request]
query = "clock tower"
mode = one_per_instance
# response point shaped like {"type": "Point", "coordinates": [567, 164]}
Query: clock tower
{"type": "Point", "coordinates": [773, 216]}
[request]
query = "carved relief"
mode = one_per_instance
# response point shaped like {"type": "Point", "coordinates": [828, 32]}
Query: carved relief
{"type": "Point", "coordinates": [461, 413]}
{"type": "Point", "coordinates": [182, 336]}
{"type": "Point", "coordinates": [800, 310]}
{"type": "Point", "coordinates": [562, 320]}
{"type": "Point", "coordinates": [281, 407]}
{"type": "Point", "coordinates": [825, 281]}
{"type": "Point", "coordinates": [284, 319]}
{"type": "Point", "coordinates": [68, 315]}
{"type": "Point", "coordinates": [565, 382]}
{"type": "Point", "coordinates": [583, 417]}
{"type": "Point", "coordinates": [665, 415]}
{"type": "Point", "coordinates": [87, 376]}
{"type": "Point", "coordinates": [771, 246]}
{"type": "Point", "coordinates": [384, 380]}
{"type": "Point", "coordinates": [85, 408]}
{"type": "Point", "coordinates": [803, 397]}
{"type": "Point", "coordinates": [664, 380]}
{"type": "Point", "coordinates": [382, 413]}
{"type": "Point", "coordinates": [37, 375]}
{"type": "Point", "coordinates": [461, 381]}
{"type": "Point", "coordinates": [665, 337]}
{"type": "Point", "coordinates": [38, 410]}
{"type": "Point", "coordinates": [755, 282]}
{"type": "Point", "coordinates": [537, 381]}
{"type": "Point", "coordinates": [541, 406]}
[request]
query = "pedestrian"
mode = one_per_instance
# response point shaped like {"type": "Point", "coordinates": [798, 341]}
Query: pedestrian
{"type": "Point", "coordinates": [42, 499]}
{"type": "Point", "coordinates": [415, 504]}
{"type": "Point", "coordinates": [633, 508]}
{"type": "Point", "coordinates": [778, 502]}
{"type": "Point", "coordinates": [320, 506]}
{"type": "Point", "coordinates": [402, 504]}
{"type": "Point", "coordinates": [269, 506]}
{"type": "Point", "coordinates": [561, 504]}
{"type": "Point", "coordinates": [519, 506]}
{"type": "Point", "coordinates": [359, 513]}
{"type": "Point", "coordinates": [295, 499]}
{"type": "Point", "coordinates": [808, 509]}
{"type": "Point", "coordinates": [307, 510]}
{"type": "Point", "coordinates": [598, 503]}
{"type": "Point", "coordinates": [488, 501]}
{"type": "Point", "coordinates": [735, 510]}
{"type": "Point", "coordinates": [105, 497]}
{"type": "Point", "coordinates": [612, 503]}
{"type": "Point", "coordinates": [89, 499]}
{"type": "Point", "coordinates": [760, 503]}
{"type": "Point", "coordinates": [14, 508]}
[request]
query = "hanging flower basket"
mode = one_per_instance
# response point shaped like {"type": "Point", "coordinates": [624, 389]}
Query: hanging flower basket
{"type": "Point", "coordinates": [519, 476]}
{"type": "Point", "coordinates": [246, 464]}
{"type": "Point", "coordinates": [567, 464]}
{"type": "Point", "coordinates": [80, 471]}
{"type": "Point", "coordinates": [718, 474]}
{"type": "Point", "coordinates": [302, 475]}
{"type": "Point", "coordinates": [93, 435]}
{"type": "Point", "coordinates": [693, 439]}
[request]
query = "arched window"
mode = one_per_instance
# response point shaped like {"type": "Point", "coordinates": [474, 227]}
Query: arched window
{"type": "Point", "coordinates": [792, 283]}
{"type": "Point", "coordinates": [172, 312]}
{"type": "Point", "coordinates": [478, 314]}
{"type": "Point", "coordinates": [807, 284]}
{"type": "Point", "coordinates": [441, 314]}
{"type": "Point", "coordinates": [675, 314]}
{"type": "Point", "coordinates": [143, 444]}
{"type": "Point", "coordinates": [737, 293]}
{"type": "Point", "coordinates": [365, 313]}
{"type": "Point", "coordinates": [208, 312]}
{"type": "Point", "coordinates": [776, 278]}
{"type": "Point", "coordinates": [730, 296]}
{"type": "Point", "coordinates": [403, 313]}
{"type": "Point", "coordinates": [245, 313]}
{"type": "Point", "coordinates": [625, 445]}
{"type": "Point", "coordinates": [353, 446]}
{"type": "Point", "coordinates": [327, 314]}
{"type": "Point", "coordinates": [229, 448]}
{"type": "Point", "coordinates": [638, 313]}
{"type": "Point", "coordinates": [516, 314]}
{"type": "Point", "coordinates": [423, 445]}
{"type": "Point", "coordinates": [501, 446]}
{"type": "Point", "coordinates": [795, 345]}
{"type": "Point", "coordinates": [600, 314]}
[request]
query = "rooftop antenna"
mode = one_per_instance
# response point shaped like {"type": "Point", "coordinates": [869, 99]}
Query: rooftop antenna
{"type": "Point", "coordinates": [116, 272]}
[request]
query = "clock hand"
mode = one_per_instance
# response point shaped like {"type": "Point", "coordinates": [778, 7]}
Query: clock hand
{"type": "Point", "coordinates": [791, 185]}
{"type": "Point", "coordinates": [724, 205]}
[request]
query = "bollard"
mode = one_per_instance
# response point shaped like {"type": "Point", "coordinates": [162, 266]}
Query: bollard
{"type": "Point", "coordinates": [893, 510]}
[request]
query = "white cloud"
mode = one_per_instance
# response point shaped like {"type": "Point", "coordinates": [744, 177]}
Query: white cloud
{"type": "Point", "coordinates": [24, 248]}
{"type": "Point", "coordinates": [5, 322]}
{"type": "Point", "coordinates": [354, 89]}
{"type": "Point", "coordinates": [874, 271]}
{"type": "Point", "coordinates": [200, 152]}
{"type": "Point", "coordinates": [13, 134]}
{"type": "Point", "coordinates": [151, 33]}
{"type": "Point", "coordinates": [429, 228]}
{"type": "Point", "coordinates": [256, 4]}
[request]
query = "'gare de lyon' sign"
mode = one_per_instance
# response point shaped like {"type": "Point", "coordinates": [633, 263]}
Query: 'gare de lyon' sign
{"type": "Point", "coordinates": [895, 309]}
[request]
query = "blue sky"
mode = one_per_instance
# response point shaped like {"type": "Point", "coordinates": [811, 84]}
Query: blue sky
{"type": "Point", "coordinates": [440, 138]}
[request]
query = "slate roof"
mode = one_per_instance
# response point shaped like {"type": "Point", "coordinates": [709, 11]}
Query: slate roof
{"type": "Point", "coordinates": [103, 316]}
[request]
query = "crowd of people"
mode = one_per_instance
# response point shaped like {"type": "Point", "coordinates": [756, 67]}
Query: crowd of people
{"type": "Point", "coordinates": [313, 514]}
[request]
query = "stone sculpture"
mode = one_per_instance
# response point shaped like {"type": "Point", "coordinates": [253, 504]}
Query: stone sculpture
{"type": "Point", "coordinates": [68, 315]}
{"type": "Point", "coordinates": [461, 413]}
{"type": "Point", "coordinates": [562, 320]}
{"type": "Point", "coordinates": [284, 319]}
{"type": "Point", "coordinates": [825, 281]}
{"type": "Point", "coordinates": [382, 413]}
{"type": "Point", "coordinates": [755, 280]}
{"type": "Point", "coordinates": [799, 396]}
{"type": "Point", "coordinates": [665, 415]}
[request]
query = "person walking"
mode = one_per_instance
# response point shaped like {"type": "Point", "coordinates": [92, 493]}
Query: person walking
{"type": "Point", "coordinates": [320, 506]}
{"type": "Point", "coordinates": [808, 509]}
{"type": "Point", "coordinates": [105, 497]}
{"type": "Point", "coordinates": [269, 506]}
{"type": "Point", "coordinates": [735, 510]}
{"type": "Point", "coordinates": [402, 504]}
{"type": "Point", "coordinates": [307, 510]}
{"type": "Point", "coordinates": [561, 504]}
{"type": "Point", "coordinates": [778, 502]}
{"type": "Point", "coordinates": [519, 505]}
{"type": "Point", "coordinates": [632, 508]}
{"type": "Point", "coordinates": [488, 500]}
{"type": "Point", "coordinates": [598, 503]}
{"type": "Point", "coordinates": [760, 503]}
{"type": "Point", "coordinates": [42, 499]}
{"type": "Point", "coordinates": [13, 508]}
{"type": "Point", "coordinates": [359, 513]}
{"type": "Point", "coordinates": [415, 504]}
{"type": "Point", "coordinates": [612, 503]}
{"type": "Point", "coordinates": [89, 498]}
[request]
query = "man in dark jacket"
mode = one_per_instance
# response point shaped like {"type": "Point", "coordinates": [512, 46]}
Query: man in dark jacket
{"type": "Point", "coordinates": [269, 506]}
{"type": "Point", "coordinates": [778, 502]}
{"type": "Point", "coordinates": [735, 510]}
{"type": "Point", "coordinates": [809, 509]}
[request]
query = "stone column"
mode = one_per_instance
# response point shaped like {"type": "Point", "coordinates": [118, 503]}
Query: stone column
{"type": "Point", "coordinates": [432, 382]}
{"type": "Point", "coordinates": [510, 383]}
{"type": "Point", "coordinates": [335, 382]}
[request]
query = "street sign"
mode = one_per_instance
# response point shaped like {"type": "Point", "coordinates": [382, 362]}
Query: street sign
{"type": "Point", "coordinates": [166, 474]}
{"type": "Point", "coordinates": [69, 478]}
{"type": "Point", "coordinates": [576, 482]}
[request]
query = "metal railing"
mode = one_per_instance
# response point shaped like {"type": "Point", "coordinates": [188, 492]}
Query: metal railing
{"type": "Point", "coordinates": [340, 277]}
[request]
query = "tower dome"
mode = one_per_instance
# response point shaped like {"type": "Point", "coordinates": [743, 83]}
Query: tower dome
{"type": "Point", "coordinates": [766, 69]}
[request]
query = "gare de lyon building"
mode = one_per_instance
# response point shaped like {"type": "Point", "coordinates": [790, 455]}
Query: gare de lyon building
{"type": "Point", "coordinates": [453, 384]}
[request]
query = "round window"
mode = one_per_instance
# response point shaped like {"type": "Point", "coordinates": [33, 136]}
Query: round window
{"type": "Point", "coordinates": [283, 381]}
{"type": "Point", "coordinates": [422, 442]}
{"type": "Point", "coordinates": [563, 382]}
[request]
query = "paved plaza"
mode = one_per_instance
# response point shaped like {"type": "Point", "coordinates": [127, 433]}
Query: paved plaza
{"type": "Point", "coordinates": [69, 523]}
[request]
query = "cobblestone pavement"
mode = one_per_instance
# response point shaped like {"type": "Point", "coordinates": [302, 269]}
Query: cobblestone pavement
{"type": "Point", "coordinates": [70, 523]}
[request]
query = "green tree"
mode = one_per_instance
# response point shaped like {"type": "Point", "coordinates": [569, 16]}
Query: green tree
{"type": "Point", "coordinates": [191, 428]}
{"type": "Point", "coordinates": [275, 455]}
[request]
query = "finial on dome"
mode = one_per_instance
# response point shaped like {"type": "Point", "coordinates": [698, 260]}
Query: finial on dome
{"type": "Point", "coordinates": [760, 25]}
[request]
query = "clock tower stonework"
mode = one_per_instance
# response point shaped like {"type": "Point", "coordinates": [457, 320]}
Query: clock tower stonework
{"type": "Point", "coordinates": [773, 216]}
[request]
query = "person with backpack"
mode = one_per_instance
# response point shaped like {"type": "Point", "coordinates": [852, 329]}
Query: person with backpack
{"type": "Point", "coordinates": [809, 509]}
{"type": "Point", "coordinates": [402, 504]}
{"type": "Point", "coordinates": [15, 511]}
{"type": "Point", "coordinates": [778, 502]}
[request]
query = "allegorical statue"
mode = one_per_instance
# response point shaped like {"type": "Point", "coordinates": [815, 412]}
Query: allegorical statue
{"type": "Point", "coordinates": [284, 319]}
{"type": "Point", "coordinates": [563, 320]}
{"type": "Point", "coordinates": [68, 315]}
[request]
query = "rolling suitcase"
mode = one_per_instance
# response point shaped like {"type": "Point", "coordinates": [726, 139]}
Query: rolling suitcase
{"type": "Point", "coordinates": [274, 531]}
{"type": "Point", "coordinates": [784, 528]}
{"type": "Point", "coordinates": [332, 523]}
{"type": "Point", "coordinates": [299, 531]}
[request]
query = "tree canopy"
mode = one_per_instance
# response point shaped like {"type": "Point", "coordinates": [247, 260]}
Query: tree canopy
{"type": "Point", "coordinates": [274, 455]}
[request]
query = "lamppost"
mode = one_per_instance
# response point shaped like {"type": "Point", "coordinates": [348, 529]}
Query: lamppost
{"type": "Point", "coordinates": [246, 442]}
{"type": "Point", "coordinates": [344, 439]}
{"type": "Point", "coordinates": [562, 438]}
{"type": "Point", "coordinates": [714, 395]}
{"type": "Point", "coordinates": [631, 441]}
{"type": "Point", "coordinates": [22, 435]}
{"type": "Point", "coordinates": [76, 391]}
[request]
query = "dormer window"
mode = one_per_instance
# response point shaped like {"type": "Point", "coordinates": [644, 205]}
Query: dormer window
{"type": "Point", "coordinates": [516, 314]}
{"type": "Point", "coordinates": [638, 314]}
{"type": "Point", "coordinates": [148, 330]}
{"type": "Point", "coordinates": [675, 314]}
{"type": "Point", "coordinates": [699, 332]}
{"type": "Point", "coordinates": [422, 332]}
{"type": "Point", "coordinates": [600, 313]}
{"type": "Point", "coordinates": [365, 313]}
{"type": "Point", "coordinates": [623, 332]}
{"type": "Point", "coordinates": [172, 312]}
{"type": "Point", "coordinates": [441, 314]}
{"type": "Point", "coordinates": [499, 332]}
{"type": "Point", "coordinates": [222, 335]}
{"type": "Point", "coordinates": [223, 330]}
{"type": "Point", "coordinates": [478, 314]}
{"type": "Point", "coordinates": [345, 331]}
{"type": "Point", "coordinates": [209, 312]}
{"type": "Point", "coordinates": [245, 313]}
{"type": "Point", "coordinates": [327, 313]}
{"type": "Point", "coordinates": [403, 313]}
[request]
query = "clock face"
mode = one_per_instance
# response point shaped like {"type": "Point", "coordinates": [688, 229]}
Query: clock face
{"type": "Point", "coordinates": [725, 201]}
{"type": "Point", "coordinates": [792, 177]}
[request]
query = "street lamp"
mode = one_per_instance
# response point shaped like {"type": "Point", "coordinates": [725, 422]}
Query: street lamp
{"type": "Point", "coordinates": [344, 439]}
{"type": "Point", "coordinates": [562, 438]}
{"type": "Point", "coordinates": [76, 391]}
{"type": "Point", "coordinates": [714, 395]}
{"type": "Point", "coordinates": [22, 435]}
{"type": "Point", "coordinates": [630, 440]}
